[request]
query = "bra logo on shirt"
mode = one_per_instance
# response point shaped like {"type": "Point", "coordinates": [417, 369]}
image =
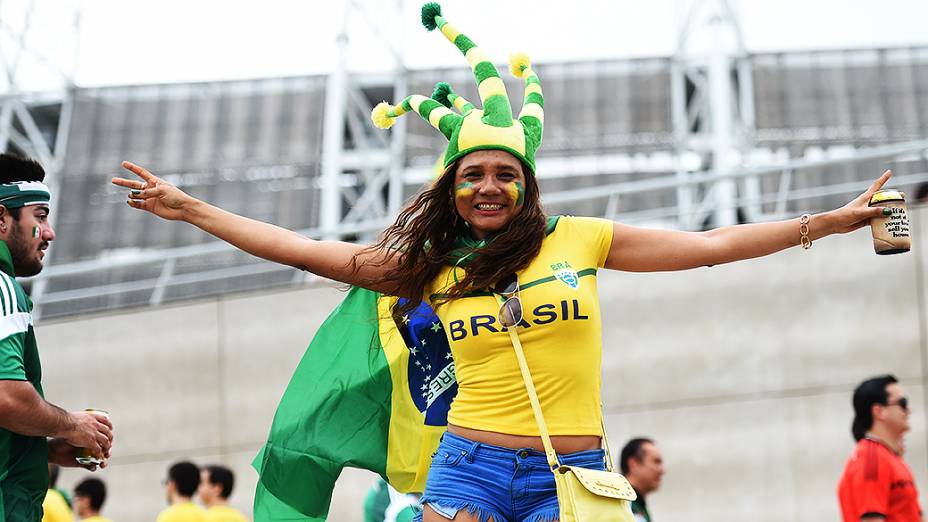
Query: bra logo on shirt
{"type": "Point", "coordinates": [566, 274]}
{"type": "Point", "coordinates": [542, 314]}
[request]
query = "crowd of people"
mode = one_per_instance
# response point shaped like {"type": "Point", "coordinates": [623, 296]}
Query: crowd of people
{"type": "Point", "coordinates": [85, 503]}
{"type": "Point", "coordinates": [184, 485]}
{"type": "Point", "coordinates": [875, 486]}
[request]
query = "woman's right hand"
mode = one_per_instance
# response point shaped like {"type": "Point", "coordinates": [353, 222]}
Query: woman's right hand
{"type": "Point", "coordinates": [153, 194]}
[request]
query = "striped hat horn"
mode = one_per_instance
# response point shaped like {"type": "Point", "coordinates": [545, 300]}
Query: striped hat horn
{"type": "Point", "coordinates": [470, 129]}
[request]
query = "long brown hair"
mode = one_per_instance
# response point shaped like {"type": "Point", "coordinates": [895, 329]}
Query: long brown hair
{"type": "Point", "coordinates": [423, 237]}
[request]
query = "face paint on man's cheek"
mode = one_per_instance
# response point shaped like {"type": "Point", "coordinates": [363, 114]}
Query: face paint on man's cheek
{"type": "Point", "coordinates": [36, 232]}
{"type": "Point", "coordinates": [463, 190]}
{"type": "Point", "coordinates": [516, 193]}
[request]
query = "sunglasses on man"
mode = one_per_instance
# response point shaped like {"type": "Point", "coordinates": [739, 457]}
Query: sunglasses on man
{"type": "Point", "coordinates": [903, 403]}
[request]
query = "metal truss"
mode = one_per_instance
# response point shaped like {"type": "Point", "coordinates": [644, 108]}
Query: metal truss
{"type": "Point", "coordinates": [712, 109]}
{"type": "Point", "coordinates": [668, 216]}
{"type": "Point", "coordinates": [779, 199]}
{"type": "Point", "coordinates": [38, 80]}
{"type": "Point", "coordinates": [709, 171]}
{"type": "Point", "coordinates": [352, 147]}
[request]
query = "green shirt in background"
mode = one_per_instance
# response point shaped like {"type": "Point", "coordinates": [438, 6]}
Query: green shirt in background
{"type": "Point", "coordinates": [23, 459]}
{"type": "Point", "coordinates": [376, 502]}
{"type": "Point", "coordinates": [640, 509]}
{"type": "Point", "coordinates": [380, 507]}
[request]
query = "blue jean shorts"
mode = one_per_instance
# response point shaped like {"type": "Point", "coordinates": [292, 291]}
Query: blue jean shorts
{"type": "Point", "coordinates": [509, 485]}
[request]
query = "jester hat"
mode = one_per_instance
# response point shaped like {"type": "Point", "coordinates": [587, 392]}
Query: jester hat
{"type": "Point", "coordinates": [470, 129]}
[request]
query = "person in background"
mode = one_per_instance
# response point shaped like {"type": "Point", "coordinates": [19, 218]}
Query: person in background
{"type": "Point", "coordinates": [921, 194]}
{"type": "Point", "coordinates": [180, 487]}
{"type": "Point", "coordinates": [877, 484]}
{"type": "Point", "coordinates": [89, 496]}
{"type": "Point", "coordinates": [57, 506]}
{"type": "Point", "coordinates": [216, 484]}
{"type": "Point", "coordinates": [33, 431]}
{"type": "Point", "coordinates": [385, 504]}
{"type": "Point", "coordinates": [642, 464]}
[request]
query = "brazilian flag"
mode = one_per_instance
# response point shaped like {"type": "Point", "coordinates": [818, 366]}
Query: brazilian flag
{"type": "Point", "coordinates": [371, 392]}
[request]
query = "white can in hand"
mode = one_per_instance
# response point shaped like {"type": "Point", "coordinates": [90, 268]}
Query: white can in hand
{"type": "Point", "coordinates": [84, 457]}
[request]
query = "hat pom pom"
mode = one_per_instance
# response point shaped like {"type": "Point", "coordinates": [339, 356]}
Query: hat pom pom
{"type": "Point", "coordinates": [429, 12]}
{"type": "Point", "coordinates": [518, 62]}
{"type": "Point", "coordinates": [380, 117]}
{"type": "Point", "coordinates": [441, 92]}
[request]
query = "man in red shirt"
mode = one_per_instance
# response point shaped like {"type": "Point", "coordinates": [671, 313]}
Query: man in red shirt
{"type": "Point", "coordinates": [877, 485]}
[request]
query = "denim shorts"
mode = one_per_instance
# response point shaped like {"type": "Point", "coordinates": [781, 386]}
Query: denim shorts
{"type": "Point", "coordinates": [506, 484]}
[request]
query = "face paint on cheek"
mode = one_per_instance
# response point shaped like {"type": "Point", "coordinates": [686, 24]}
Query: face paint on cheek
{"type": "Point", "coordinates": [36, 232]}
{"type": "Point", "coordinates": [516, 193]}
{"type": "Point", "coordinates": [463, 190]}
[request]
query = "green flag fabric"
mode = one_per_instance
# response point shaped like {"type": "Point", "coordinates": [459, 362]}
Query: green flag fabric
{"type": "Point", "coordinates": [369, 393]}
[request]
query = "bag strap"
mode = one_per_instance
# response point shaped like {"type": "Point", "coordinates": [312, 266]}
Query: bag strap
{"type": "Point", "coordinates": [536, 407]}
{"type": "Point", "coordinates": [533, 398]}
{"type": "Point", "coordinates": [602, 422]}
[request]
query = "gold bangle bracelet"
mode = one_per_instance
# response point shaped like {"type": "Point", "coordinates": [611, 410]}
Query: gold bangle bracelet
{"type": "Point", "coordinates": [804, 231]}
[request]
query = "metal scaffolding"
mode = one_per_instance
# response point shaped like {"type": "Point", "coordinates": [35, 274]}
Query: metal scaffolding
{"type": "Point", "coordinates": [352, 146]}
{"type": "Point", "coordinates": [35, 106]}
{"type": "Point", "coordinates": [37, 103]}
{"type": "Point", "coordinates": [713, 112]}
{"type": "Point", "coordinates": [708, 136]}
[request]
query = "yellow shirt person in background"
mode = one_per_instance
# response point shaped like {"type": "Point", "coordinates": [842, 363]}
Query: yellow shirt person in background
{"type": "Point", "coordinates": [89, 496]}
{"type": "Point", "coordinates": [183, 512]}
{"type": "Point", "coordinates": [180, 486]}
{"type": "Point", "coordinates": [55, 507]}
{"type": "Point", "coordinates": [216, 484]}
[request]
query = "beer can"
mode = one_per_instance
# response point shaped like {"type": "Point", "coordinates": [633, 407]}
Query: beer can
{"type": "Point", "coordinates": [890, 233]}
{"type": "Point", "coordinates": [84, 457]}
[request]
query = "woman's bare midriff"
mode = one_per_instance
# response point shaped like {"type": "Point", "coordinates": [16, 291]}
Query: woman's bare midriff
{"type": "Point", "coordinates": [562, 443]}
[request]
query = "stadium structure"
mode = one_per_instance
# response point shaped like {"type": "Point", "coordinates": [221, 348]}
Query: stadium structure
{"type": "Point", "coordinates": [701, 138]}
{"type": "Point", "coordinates": [686, 141]}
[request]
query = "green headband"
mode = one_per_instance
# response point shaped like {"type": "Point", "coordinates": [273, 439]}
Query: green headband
{"type": "Point", "coordinates": [24, 193]}
{"type": "Point", "coordinates": [492, 127]}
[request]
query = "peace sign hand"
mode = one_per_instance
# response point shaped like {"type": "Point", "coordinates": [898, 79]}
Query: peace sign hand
{"type": "Point", "coordinates": [154, 194]}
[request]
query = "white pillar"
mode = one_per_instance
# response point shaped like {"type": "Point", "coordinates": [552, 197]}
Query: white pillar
{"type": "Point", "coordinates": [723, 146]}
{"type": "Point", "coordinates": [398, 141]}
{"type": "Point", "coordinates": [681, 143]}
{"type": "Point", "coordinates": [330, 212]}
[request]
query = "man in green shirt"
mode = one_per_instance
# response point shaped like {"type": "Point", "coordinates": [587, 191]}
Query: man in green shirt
{"type": "Point", "coordinates": [33, 432]}
{"type": "Point", "coordinates": [642, 464]}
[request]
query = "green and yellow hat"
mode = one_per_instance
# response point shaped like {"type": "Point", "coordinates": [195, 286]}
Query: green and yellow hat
{"type": "Point", "coordinates": [470, 128]}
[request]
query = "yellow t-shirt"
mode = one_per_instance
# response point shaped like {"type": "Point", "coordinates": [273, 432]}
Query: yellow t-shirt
{"type": "Point", "coordinates": [561, 334]}
{"type": "Point", "coordinates": [224, 514]}
{"type": "Point", "coordinates": [183, 512]}
{"type": "Point", "coordinates": [95, 518]}
{"type": "Point", "coordinates": [55, 508]}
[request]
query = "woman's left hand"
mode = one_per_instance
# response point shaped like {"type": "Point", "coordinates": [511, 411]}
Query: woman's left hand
{"type": "Point", "coordinates": [858, 212]}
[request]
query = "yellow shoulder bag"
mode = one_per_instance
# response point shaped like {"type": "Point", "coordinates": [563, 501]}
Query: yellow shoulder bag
{"type": "Point", "coordinates": [584, 495]}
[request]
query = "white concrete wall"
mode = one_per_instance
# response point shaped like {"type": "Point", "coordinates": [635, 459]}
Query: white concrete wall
{"type": "Point", "coordinates": [742, 374]}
